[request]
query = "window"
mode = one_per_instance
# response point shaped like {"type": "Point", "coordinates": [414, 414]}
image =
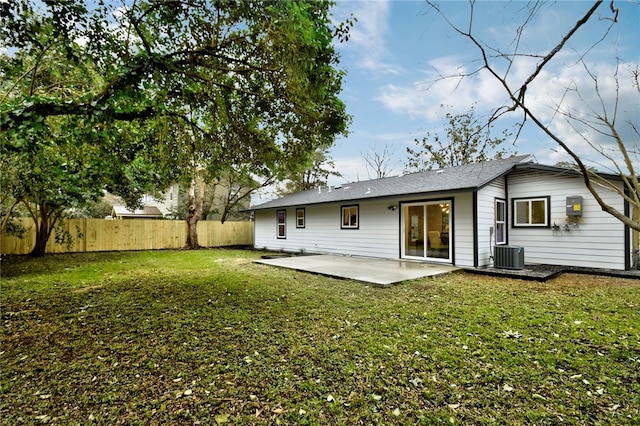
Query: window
{"type": "Point", "coordinates": [501, 221]}
{"type": "Point", "coordinates": [531, 212]}
{"type": "Point", "coordinates": [282, 223]}
{"type": "Point", "coordinates": [299, 218]}
{"type": "Point", "coordinates": [349, 217]}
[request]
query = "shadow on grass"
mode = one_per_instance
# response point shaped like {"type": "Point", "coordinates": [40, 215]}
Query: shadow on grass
{"type": "Point", "coordinates": [17, 266]}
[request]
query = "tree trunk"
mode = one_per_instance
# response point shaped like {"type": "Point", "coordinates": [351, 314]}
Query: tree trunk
{"type": "Point", "coordinates": [196, 197]}
{"type": "Point", "coordinates": [42, 236]}
{"type": "Point", "coordinates": [44, 225]}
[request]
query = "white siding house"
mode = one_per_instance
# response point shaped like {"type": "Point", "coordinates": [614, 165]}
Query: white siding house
{"type": "Point", "coordinates": [455, 216]}
{"type": "Point", "coordinates": [596, 239]}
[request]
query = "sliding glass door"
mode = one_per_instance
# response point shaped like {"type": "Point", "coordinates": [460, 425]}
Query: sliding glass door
{"type": "Point", "coordinates": [425, 230]}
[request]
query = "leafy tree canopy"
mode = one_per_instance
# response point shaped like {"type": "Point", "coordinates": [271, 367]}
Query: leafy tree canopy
{"type": "Point", "coordinates": [467, 140]}
{"type": "Point", "coordinates": [311, 174]}
{"type": "Point", "coordinates": [136, 95]}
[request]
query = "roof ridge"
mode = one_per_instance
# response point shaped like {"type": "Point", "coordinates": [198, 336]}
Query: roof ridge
{"type": "Point", "coordinates": [457, 178]}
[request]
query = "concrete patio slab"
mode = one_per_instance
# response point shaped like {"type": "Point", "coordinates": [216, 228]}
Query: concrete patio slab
{"type": "Point", "coordinates": [375, 271]}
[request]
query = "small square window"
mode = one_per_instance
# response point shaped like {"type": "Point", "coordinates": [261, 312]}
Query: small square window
{"type": "Point", "coordinates": [299, 218]}
{"type": "Point", "coordinates": [349, 217]}
{"type": "Point", "coordinates": [531, 212]}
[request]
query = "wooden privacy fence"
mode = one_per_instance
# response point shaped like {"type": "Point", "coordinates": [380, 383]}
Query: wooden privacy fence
{"type": "Point", "coordinates": [135, 234]}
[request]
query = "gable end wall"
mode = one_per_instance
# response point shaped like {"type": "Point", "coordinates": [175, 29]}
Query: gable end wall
{"type": "Point", "coordinates": [597, 242]}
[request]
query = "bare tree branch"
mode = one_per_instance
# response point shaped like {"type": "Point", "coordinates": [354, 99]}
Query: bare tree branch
{"type": "Point", "coordinates": [604, 120]}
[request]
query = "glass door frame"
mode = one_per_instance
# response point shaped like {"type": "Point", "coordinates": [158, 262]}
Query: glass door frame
{"type": "Point", "coordinates": [404, 232]}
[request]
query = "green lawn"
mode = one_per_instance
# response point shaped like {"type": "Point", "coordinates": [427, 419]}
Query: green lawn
{"type": "Point", "coordinates": [209, 337]}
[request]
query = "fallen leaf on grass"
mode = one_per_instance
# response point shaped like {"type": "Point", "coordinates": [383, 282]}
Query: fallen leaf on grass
{"type": "Point", "coordinates": [222, 418]}
{"type": "Point", "coordinates": [43, 418]}
{"type": "Point", "coordinates": [415, 382]}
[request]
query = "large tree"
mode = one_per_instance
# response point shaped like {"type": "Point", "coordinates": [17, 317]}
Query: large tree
{"type": "Point", "coordinates": [166, 89]}
{"type": "Point", "coordinates": [225, 198]}
{"type": "Point", "coordinates": [467, 140]}
{"type": "Point", "coordinates": [603, 130]}
{"type": "Point", "coordinates": [312, 173]}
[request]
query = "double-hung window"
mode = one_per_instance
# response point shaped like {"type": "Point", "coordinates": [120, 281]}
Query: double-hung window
{"type": "Point", "coordinates": [299, 218]}
{"type": "Point", "coordinates": [501, 221]}
{"type": "Point", "coordinates": [281, 216]}
{"type": "Point", "coordinates": [531, 212]}
{"type": "Point", "coordinates": [349, 217]}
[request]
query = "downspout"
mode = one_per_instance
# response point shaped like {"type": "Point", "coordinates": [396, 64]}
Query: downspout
{"type": "Point", "coordinates": [506, 208]}
{"type": "Point", "coordinates": [491, 236]}
{"type": "Point", "coordinates": [476, 255]}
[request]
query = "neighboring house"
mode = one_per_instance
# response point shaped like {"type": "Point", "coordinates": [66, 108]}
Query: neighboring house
{"type": "Point", "coordinates": [152, 205]}
{"type": "Point", "coordinates": [455, 216]}
{"type": "Point", "coordinates": [147, 212]}
{"type": "Point", "coordinates": [167, 203]}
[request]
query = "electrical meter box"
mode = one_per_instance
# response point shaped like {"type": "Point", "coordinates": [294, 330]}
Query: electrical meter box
{"type": "Point", "coordinates": [574, 206]}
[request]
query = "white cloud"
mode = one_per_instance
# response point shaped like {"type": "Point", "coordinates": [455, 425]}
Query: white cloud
{"type": "Point", "coordinates": [352, 169]}
{"type": "Point", "coordinates": [571, 90]}
{"type": "Point", "coordinates": [566, 88]}
{"type": "Point", "coordinates": [368, 35]}
{"type": "Point", "coordinates": [447, 82]}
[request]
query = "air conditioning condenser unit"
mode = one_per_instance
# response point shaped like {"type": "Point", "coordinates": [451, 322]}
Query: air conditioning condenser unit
{"type": "Point", "coordinates": [508, 257]}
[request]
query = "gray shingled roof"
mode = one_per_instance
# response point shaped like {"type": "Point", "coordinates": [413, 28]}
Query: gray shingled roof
{"type": "Point", "coordinates": [466, 177]}
{"type": "Point", "coordinates": [145, 212]}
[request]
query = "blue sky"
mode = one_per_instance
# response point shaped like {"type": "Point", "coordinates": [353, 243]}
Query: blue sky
{"type": "Point", "coordinates": [397, 50]}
